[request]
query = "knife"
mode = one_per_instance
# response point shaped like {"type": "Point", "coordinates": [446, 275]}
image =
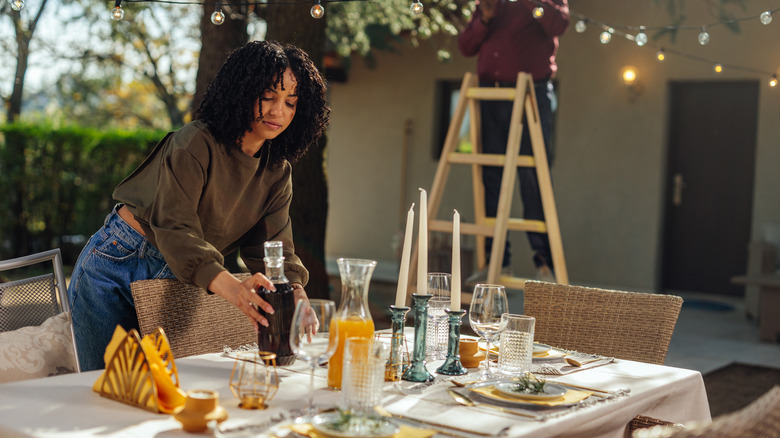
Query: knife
{"type": "Point", "coordinates": [467, 401]}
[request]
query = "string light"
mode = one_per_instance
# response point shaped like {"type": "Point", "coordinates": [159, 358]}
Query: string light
{"type": "Point", "coordinates": [416, 7]}
{"type": "Point", "coordinates": [660, 55]}
{"type": "Point", "coordinates": [117, 13]}
{"type": "Point", "coordinates": [581, 26]}
{"type": "Point", "coordinates": [704, 37]}
{"type": "Point", "coordinates": [773, 81]}
{"type": "Point", "coordinates": [317, 11]}
{"type": "Point", "coordinates": [765, 17]}
{"type": "Point", "coordinates": [641, 38]}
{"type": "Point", "coordinates": [717, 68]}
{"type": "Point", "coordinates": [218, 17]}
{"type": "Point", "coordinates": [606, 36]}
{"type": "Point", "coordinates": [538, 12]}
{"type": "Point", "coordinates": [18, 5]}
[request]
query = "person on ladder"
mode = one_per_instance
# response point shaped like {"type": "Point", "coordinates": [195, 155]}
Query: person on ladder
{"type": "Point", "coordinates": [511, 37]}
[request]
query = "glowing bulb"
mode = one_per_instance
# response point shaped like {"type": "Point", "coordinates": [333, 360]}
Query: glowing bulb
{"type": "Point", "coordinates": [717, 68]}
{"type": "Point", "coordinates": [538, 12]}
{"type": "Point", "coordinates": [641, 38]}
{"type": "Point", "coordinates": [765, 17]}
{"type": "Point", "coordinates": [704, 37]}
{"type": "Point", "coordinates": [17, 5]}
{"type": "Point", "coordinates": [217, 17]}
{"type": "Point", "coordinates": [660, 56]}
{"type": "Point", "coordinates": [581, 26]}
{"type": "Point", "coordinates": [416, 8]}
{"type": "Point", "coordinates": [117, 13]}
{"type": "Point", "coordinates": [629, 75]}
{"type": "Point", "coordinates": [317, 11]}
{"type": "Point", "coordinates": [773, 81]}
{"type": "Point", "coordinates": [606, 36]}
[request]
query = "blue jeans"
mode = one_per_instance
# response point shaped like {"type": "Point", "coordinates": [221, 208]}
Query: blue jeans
{"type": "Point", "coordinates": [496, 116]}
{"type": "Point", "coordinates": [99, 289]}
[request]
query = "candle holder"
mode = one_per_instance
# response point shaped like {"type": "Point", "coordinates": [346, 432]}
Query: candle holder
{"type": "Point", "coordinates": [452, 365]}
{"type": "Point", "coordinates": [417, 371]}
{"type": "Point", "coordinates": [397, 363]}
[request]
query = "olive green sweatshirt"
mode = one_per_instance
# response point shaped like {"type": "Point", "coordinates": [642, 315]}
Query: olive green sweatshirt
{"type": "Point", "coordinates": [197, 199]}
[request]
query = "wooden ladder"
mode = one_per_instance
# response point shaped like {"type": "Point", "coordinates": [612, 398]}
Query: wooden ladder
{"type": "Point", "coordinates": [524, 99]}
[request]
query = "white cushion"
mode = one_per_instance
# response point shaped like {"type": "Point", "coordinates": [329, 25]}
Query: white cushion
{"type": "Point", "coordinates": [38, 351]}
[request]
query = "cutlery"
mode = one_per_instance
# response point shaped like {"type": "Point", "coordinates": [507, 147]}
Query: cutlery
{"type": "Point", "coordinates": [437, 426]}
{"type": "Point", "coordinates": [578, 360]}
{"type": "Point", "coordinates": [596, 392]}
{"type": "Point", "coordinates": [466, 401]}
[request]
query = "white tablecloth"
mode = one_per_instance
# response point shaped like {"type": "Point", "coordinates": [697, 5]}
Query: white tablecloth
{"type": "Point", "coordinates": [66, 406]}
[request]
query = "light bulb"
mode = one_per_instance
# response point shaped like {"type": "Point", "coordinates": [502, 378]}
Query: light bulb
{"type": "Point", "coordinates": [606, 36]}
{"type": "Point", "coordinates": [416, 8]}
{"type": "Point", "coordinates": [538, 12]}
{"type": "Point", "coordinates": [117, 13]}
{"type": "Point", "coordinates": [17, 5]}
{"type": "Point", "coordinates": [629, 75]}
{"type": "Point", "coordinates": [704, 37]}
{"type": "Point", "coordinates": [660, 56]}
{"type": "Point", "coordinates": [717, 68]}
{"type": "Point", "coordinates": [765, 17]}
{"type": "Point", "coordinates": [641, 38]}
{"type": "Point", "coordinates": [773, 81]}
{"type": "Point", "coordinates": [218, 18]}
{"type": "Point", "coordinates": [581, 26]}
{"type": "Point", "coordinates": [317, 11]}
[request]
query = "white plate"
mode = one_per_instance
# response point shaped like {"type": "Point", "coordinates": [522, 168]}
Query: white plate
{"type": "Point", "coordinates": [541, 348]}
{"type": "Point", "coordinates": [377, 427]}
{"type": "Point", "coordinates": [551, 391]}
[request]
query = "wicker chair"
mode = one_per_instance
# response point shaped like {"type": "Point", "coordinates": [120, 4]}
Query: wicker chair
{"type": "Point", "coordinates": [194, 321]}
{"type": "Point", "coordinates": [625, 325]}
{"type": "Point", "coordinates": [759, 419]}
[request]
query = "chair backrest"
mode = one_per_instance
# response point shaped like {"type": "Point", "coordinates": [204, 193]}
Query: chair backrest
{"type": "Point", "coordinates": [625, 325]}
{"type": "Point", "coordinates": [759, 419]}
{"type": "Point", "coordinates": [32, 305]}
{"type": "Point", "coordinates": [194, 321]}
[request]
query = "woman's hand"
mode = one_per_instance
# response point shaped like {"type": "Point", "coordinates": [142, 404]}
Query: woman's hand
{"type": "Point", "coordinates": [243, 294]}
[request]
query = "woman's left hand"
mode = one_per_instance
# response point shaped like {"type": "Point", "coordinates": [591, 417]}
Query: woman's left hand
{"type": "Point", "coordinates": [299, 293]}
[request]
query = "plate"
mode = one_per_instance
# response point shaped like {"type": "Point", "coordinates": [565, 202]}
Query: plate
{"type": "Point", "coordinates": [551, 391]}
{"type": "Point", "coordinates": [330, 424]}
{"type": "Point", "coordinates": [541, 348]}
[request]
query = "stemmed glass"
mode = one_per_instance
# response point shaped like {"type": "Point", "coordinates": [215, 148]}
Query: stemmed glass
{"type": "Point", "coordinates": [311, 336]}
{"type": "Point", "coordinates": [487, 305]}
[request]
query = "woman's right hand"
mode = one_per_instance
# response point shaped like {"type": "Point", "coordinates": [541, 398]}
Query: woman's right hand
{"type": "Point", "coordinates": [243, 294]}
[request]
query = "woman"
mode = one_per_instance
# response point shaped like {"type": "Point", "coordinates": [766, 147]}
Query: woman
{"type": "Point", "coordinates": [220, 183]}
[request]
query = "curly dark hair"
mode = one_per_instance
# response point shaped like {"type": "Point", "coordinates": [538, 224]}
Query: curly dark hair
{"type": "Point", "coordinates": [228, 104]}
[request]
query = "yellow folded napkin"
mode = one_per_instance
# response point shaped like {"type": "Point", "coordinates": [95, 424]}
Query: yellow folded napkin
{"type": "Point", "coordinates": [137, 375]}
{"type": "Point", "coordinates": [405, 431]}
{"type": "Point", "coordinates": [571, 396]}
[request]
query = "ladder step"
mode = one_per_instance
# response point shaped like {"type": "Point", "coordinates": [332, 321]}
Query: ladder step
{"type": "Point", "coordinates": [490, 93]}
{"type": "Point", "coordinates": [512, 282]}
{"type": "Point", "coordinates": [489, 227]}
{"type": "Point", "coordinates": [496, 160]}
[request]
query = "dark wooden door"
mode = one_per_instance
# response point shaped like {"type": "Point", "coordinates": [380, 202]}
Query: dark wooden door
{"type": "Point", "coordinates": [709, 185]}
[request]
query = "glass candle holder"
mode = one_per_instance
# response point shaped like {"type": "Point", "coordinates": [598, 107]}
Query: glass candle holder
{"type": "Point", "coordinates": [254, 380]}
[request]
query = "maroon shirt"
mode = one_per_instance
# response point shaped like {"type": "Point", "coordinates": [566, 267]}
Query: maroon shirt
{"type": "Point", "coordinates": [515, 41]}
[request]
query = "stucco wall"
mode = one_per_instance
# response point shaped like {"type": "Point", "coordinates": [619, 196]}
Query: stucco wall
{"type": "Point", "coordinates": [610, 152]}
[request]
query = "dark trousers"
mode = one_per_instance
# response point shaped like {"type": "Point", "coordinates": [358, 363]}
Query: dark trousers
{"type": "Point", "coordinates": [496, 116]}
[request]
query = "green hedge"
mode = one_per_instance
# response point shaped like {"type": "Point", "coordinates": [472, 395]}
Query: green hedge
{"type": "Point", "coordinates": [57, 182]}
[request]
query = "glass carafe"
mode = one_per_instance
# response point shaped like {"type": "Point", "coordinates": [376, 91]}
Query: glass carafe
{"type": "Point", "coordinates": [353, 318]}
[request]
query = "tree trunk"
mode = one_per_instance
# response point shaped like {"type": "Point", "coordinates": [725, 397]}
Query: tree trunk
{"type": "Point", "coordinates": [216, 44]}
{"type": "Point", "coordinates": [309, 211]}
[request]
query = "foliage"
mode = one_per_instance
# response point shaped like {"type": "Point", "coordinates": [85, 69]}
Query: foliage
{"type": "Point", "coordinates": [68, 174]}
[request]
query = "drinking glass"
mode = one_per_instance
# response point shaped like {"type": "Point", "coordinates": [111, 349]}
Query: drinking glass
{"type": "Point", "coordinates": [437, 326]}
{"type": "Point", "coordinates": [517, 344]}
{"type": "Point", "coordinates": [487, 305]}
{"type": "Point", "coordinates": [310, 336]}
{"type": "Point", "coordinates": [364, 375]}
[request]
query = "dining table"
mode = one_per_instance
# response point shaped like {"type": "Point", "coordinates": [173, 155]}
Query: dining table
{"type": "Point", "coordinates": [66, 406]}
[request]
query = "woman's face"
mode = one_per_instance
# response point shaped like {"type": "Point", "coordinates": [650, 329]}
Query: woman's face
{"type": "Point", "coordinates": [277, 108]}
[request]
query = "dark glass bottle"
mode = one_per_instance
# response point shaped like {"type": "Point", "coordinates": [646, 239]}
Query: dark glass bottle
{"type": "Point", "coordinates": [276, 337]}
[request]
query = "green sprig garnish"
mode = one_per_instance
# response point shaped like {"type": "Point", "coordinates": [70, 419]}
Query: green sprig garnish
{"type": "Point", "coordinates": [529, 384]}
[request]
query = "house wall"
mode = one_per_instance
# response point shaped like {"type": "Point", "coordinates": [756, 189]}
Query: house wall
{"type": "Point", "coordinates": [609, 171]}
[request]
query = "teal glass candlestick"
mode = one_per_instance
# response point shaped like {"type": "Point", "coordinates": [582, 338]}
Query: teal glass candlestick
{"type": "Point", "coordinates": [397, 364]}
{"type": "Point", "coordinates": [452, 365]}
{"type": "Point", "coordinates": [417, 371]}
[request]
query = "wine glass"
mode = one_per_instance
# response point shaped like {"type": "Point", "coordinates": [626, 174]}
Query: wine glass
{"type": "Point", "coordinates": [313, 337]}
{"type": "Point", "coordinates": [487, 305]}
